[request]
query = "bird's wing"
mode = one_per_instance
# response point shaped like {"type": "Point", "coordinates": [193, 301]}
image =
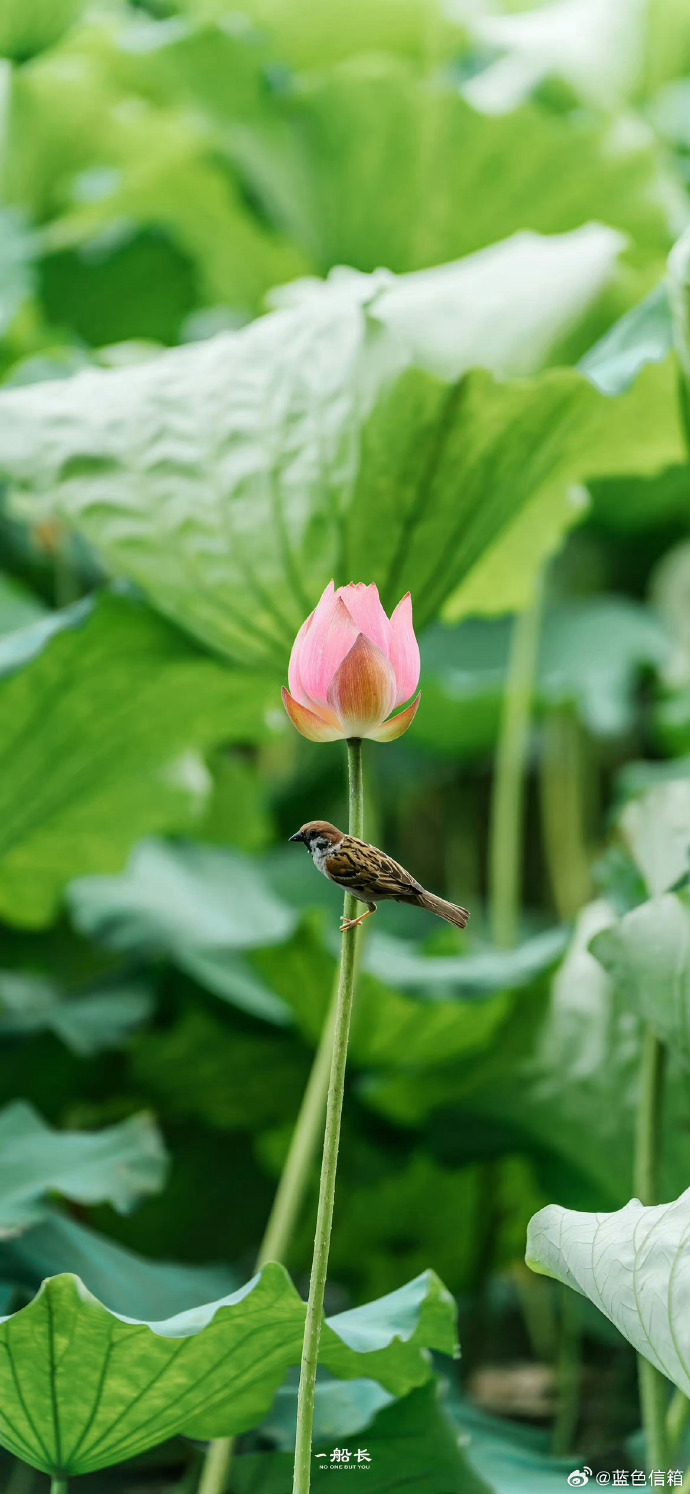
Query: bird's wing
{"type": "Point", "coordinates": [356, 863]}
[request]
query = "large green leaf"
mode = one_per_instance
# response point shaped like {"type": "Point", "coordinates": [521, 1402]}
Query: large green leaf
{"type": "Point", "coordinates": [101, 1016]}
{"type": "Point", "coordinates": [123, 1281]}
{"type": "Point", "coordinates": [472, 975]}
{"type": "Point", "coordinates": [116, 1165]}
{"type": "Point", "coordinates": [25, 30]}
{"type": "Point", "coordinates": [549, 1080]}
{"type": "Point", "coordinates": [411, 1446]}
{"type": "Point", "coordinates": [83, 1388]}
{"type": "Point", "coordinates": [89, 166]}
{"type": "Point", "coordinates": [634, 1265]}
{"type": "Point", "coordinates": [186, 895]}
{"type": "Point", "coordinates": [197, 905]}
{"type": "Point", "coordinates": [354, 164]}
{"type": "Point", "coordinates": [656, 830]}
{"type": "Point", "coordinates": [512, 1456]}
{"type": "Point", "coordinates": [591, 656]}
{"type": "Point", "coordinates": [233, 1080]}
{"type": "Point", "coordinates": [114, 757]}
{"type": "Point", "coordinates": [232, 478]}
{"type": "Point", "coordinates": [647, 954]}
{"type": "Point", "coordinates": [388, 1027]}
{"type": "Point", "coordinates": [642, 336]}
{"type": "Point", "coordinates": [25, 637]}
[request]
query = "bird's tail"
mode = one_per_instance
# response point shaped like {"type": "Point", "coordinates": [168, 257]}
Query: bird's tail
{"type": "Point", "coordinates": [442, 909]}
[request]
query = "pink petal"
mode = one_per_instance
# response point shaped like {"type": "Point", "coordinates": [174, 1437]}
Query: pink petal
{"type": "Point", "coordinates": [324, 647]}
{"type": "Point", "coordinates": [366, 611]}
{"type": "Point", "coordinates": [308, 722]}
{"type": "Point", "coordinates": [294, 672]}
{"type": "Point", "coordinates": [404, 653]}
{"type": "Point", "coordinates": [363, 690]}
{"type": "Point", "coordinates": [397, 725]}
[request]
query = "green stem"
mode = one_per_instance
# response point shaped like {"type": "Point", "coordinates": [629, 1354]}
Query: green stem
{"type": "Point", "coordinates": [562, 784]}
{"type": "Point", "coordinates": [22, 1479]}
{"type": "Point", "coordinates": [303, 1146]}
{"type": "Point", "coordinates": [653, 1385]}
{"type": "Point", "coordinates": [334, 1106]}
{"type": "Point", "coordinates": [58, 1485]}
{"type": "Point", "coordinates": [505, 835]}
{"type": "Point", "coordinates": [215, 1469]}
{"type": "Point", "coordinates": [677, 1422]}
{"type": "Point", "coordinates": [286, 1206]}
{"type": "Point", "coordinates": [568, 1375]}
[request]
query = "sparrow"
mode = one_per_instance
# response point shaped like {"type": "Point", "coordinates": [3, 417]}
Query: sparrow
{"type": "Point", "coordinates": [369, 874]}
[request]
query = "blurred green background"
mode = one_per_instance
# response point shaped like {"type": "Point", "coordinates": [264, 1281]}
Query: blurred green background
{"type": "Point", "coordinates": [507, 438]}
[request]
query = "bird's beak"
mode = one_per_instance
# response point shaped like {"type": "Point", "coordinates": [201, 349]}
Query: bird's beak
{"type": "Point", "coordinates": [298, 836]}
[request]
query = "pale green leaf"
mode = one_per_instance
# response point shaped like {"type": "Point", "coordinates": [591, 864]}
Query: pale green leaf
{"type": "Point", "coordinates": [550, 1077]}
{"type": "Point", "coordinates": [115, 757]}
{"type": "Point", "coordinates": [19, 607]}
{"type": "Point", "coordinates": [647, 954]}
{"type": "Point", "coordinates": [227, 478]}
{"type": "Point", "coordinates": [101, 1016]}
{"type": "Point", "coordinates": [354, 164]}
{"type": "Point", "coordinates": [514, 1457]}
{"type": "Point", "coordinates": [123, 1281]}
{"type": "Point", "coordinates": [89, 1388]}
{"type": "Point", "coordinates": [182, 896]}
{"type": "Point", "coordinates": [504, 580]}
{"type": "Point", "coordinates": [198, 906]}
{"type": "Point", "coordinates": [23, 642]}
{"type": "Point", "coordinates": [592, 656]}
{"type": "Point", "coordinates": [656, 830]}
{"type": "Point", "coordinates": [116, 1165]}
{"type": "Point", "coordinates": [634, 1265]}
{"type": "Point", "coordinates": [25, 29]}
{"type": "Point", "coordinates": [644, 335]}
{"type": "Point", "coordinates": [389, 1027]}
{"type": "Point", "coordinates": [411, 1446]}
{"type": "Point", "coordinates": [471, 975]}
{"type": "Point", "coordinates": [597, 49]}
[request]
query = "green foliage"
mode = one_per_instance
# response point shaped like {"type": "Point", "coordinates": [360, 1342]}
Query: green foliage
{"type": "Point", "coordinates": [411, 1445]}
{"type": "Point", "coordinates": [209, 1371]}
{"type": "Point", "coordinates": [647, 954]}
{"type": "Point", "coordinates": [262, 498]}
{"type": "Point", "coordinates": [87, 1022]}
{"type": "Point", "coordinates": [118, 1164]}
{"type": "Point", "coordinates": [123, 1281]}
{"type": "Point", "coordinates": [118, 757]}
{"type": "Point", "coordinates": [634, 1267]}
{"type": "Point", "coordinates": [373, 291]}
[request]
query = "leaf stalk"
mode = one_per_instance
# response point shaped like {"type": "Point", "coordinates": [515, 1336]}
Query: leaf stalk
{"type": "Point", "coordinates": [652, 1384]}
{"type": "Point", "coordinates": [329, 1165]}
{"type": "Point", "coordinates": [507, 803]}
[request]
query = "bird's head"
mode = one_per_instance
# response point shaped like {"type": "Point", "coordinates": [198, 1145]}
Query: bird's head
{"type": "Point", "coordinates": [318, 835]}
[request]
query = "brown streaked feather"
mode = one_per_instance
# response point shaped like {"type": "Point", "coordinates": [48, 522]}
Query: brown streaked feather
{"type": "Point", "coordinates": [371, 874]}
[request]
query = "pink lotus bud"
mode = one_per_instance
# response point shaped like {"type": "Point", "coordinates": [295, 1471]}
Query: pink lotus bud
{"type": "Point", "coordinates": [351, 665]}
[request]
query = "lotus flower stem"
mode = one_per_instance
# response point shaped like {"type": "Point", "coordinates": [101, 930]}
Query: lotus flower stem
{"type": "Point", "coordinates": [505, 836]}
{"type": "Point", "coordinates": [284, 1213]}
{"type": "Point", "coordinates": [653, 1385]}
{"type": "Point", "coordinates": [334, 1106]}
{"type": "Point", "coordinates": [58, 1485]}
